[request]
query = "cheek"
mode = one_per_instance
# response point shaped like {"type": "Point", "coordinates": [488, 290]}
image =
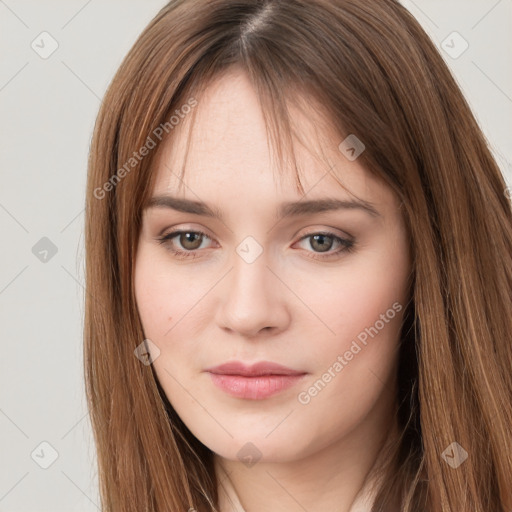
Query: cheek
{"type": "Point", "coordinates": [171, 306]}
{"type": "Point", "coordinates": [362, 309]}
{"type": "Point", "coordinates": [152, 297]}
{"type": "Point", "coordinates": [163, 295]}
{"type": "Point", "coordinates": [354, 368]}
{"type": "Point", "coordinates": [361, 296]}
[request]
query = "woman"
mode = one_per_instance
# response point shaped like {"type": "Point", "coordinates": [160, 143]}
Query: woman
{"type": "Point", "coordinates": [339, 340]}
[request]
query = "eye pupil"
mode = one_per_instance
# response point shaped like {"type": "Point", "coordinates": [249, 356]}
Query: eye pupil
{"type": "Point", "coordinates": [321, 238]}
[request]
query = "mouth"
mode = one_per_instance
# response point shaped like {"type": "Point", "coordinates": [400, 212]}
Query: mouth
{"type": "Point", "coordinates": [255, 382]}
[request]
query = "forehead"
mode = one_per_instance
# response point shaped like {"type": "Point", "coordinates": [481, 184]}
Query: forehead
{"type": "Point", "coordinates": [227, 147]}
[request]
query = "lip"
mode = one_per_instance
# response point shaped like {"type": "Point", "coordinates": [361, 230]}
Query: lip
{"type": "Point", "coordinates": [254, 382]}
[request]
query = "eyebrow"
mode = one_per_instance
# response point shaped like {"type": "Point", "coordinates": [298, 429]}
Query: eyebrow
{"type": "Point", "coordinates": [291, 208]}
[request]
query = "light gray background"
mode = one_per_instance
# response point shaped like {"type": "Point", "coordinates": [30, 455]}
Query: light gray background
{"type": "Point", "coordinates": [47, 111]}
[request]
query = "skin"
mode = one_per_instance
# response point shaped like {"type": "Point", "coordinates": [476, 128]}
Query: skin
{"type": "Point", "coordinates": [285, 307]}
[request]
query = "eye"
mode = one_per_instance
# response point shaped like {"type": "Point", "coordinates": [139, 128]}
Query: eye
{"type": "Point", "coordinates": [323, 242]}
{"type": "Point", "coordinates": [320, 242]}
{"type": "Point", "coordinates": [190, 240]}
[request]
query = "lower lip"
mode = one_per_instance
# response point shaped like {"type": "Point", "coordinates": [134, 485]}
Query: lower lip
{"type": "Point", "coordinates": [254, 388]}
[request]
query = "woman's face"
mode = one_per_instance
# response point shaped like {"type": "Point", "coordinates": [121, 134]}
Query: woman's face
{"type": "Point", "coordinates": [263, 284]}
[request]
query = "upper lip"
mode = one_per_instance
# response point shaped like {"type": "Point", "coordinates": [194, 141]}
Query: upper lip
{"type": "Point", "coordinates": [254, 370]}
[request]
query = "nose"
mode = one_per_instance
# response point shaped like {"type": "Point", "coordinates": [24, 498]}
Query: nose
{"type": "Point", "coordinates": [253, 299]}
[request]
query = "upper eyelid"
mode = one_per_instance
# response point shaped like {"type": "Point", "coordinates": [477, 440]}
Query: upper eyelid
{"type": "Point", "coordinates": [331, 230]}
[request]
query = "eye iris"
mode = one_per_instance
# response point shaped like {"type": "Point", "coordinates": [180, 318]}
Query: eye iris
{"type": "Point", "coordinates": [185, 239]}
{"type": "Point", "coordinates": [321, 239]}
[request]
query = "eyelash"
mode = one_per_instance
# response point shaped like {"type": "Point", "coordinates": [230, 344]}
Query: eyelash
{"type": "Point", "coordinates": [347, 246]}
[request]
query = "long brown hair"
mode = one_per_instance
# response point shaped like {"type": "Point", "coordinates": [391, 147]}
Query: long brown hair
{"type": "Point", "coordinates": [375, 72]}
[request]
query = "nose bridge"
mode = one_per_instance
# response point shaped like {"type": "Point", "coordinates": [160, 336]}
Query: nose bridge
{"type": "Point", "coordinates": [250, 266]}
{"type": "Point", "coordinates": [253, 297]}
